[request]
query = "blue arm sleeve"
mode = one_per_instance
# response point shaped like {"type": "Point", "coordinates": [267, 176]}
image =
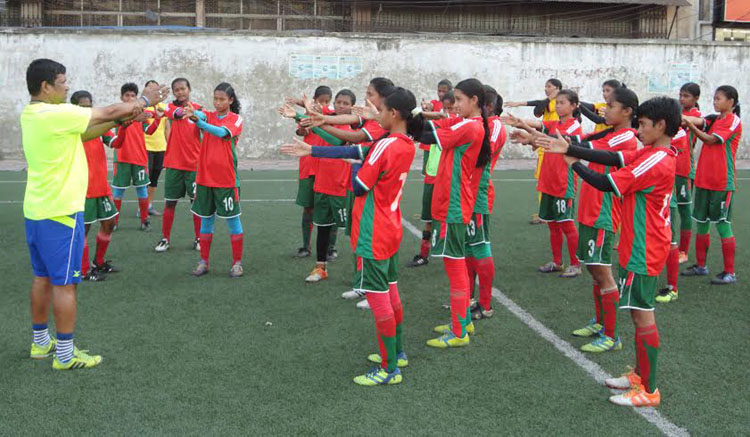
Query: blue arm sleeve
{"type": "Point", "coordinates": [200, 114]}
{"type": "Point", "coordinates": [335, 152]}
{"type": "Point", "coordinates": [216, 131]}
{"type": "Point", "coordinates": [357, 188]}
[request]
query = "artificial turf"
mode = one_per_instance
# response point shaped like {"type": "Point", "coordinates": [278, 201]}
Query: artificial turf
{"type": "Point", "coordinates": [267, 353]}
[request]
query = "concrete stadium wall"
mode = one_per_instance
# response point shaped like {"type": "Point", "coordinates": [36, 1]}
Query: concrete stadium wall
{"type": "Point", "coordinates": [266, 67]}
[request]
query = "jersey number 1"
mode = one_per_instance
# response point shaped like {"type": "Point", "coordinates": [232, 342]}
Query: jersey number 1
{"type": "Point", "coordinates": [402, 178]}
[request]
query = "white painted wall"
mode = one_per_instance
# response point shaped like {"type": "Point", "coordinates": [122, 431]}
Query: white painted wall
{"type": "Point", "coordinates": [258, 66]}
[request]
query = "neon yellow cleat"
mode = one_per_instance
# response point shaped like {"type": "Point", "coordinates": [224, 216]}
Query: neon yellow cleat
{"type": "Point", "coordinates": [444, 329]}
{"type": "Point", "coordinates": [80, 360]}
{"type": "Point", "coordinates": [41, 352]}
{"type": "Point", "coordinates": [589, 330]}
{"type": "Point", "coordinates": [667, 295]}
{"type": "Point", "coordinates": [379, 376]}
{"type": "Point", "coordinates": [603, 344]}
{"type": "Point", "coordinates": [403, 361]}
{"type": "Point", "coordinates": [449, 340]}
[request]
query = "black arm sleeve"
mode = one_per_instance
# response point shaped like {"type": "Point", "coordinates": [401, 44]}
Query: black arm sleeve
{"type": "Point", "coordinates": [428, 137]}
{"type": "Point", "coordinates": [599, 156]}
{"type": "Point", "coordinates": [597, 180]}
{"type": "Point", "coordinates": [588, 111]}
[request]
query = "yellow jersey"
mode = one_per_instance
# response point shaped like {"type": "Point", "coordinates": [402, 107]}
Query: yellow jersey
{"type": "Point", "coordinates": [158, 141]}
{"type": "Point", "coordinates": [58, 174]}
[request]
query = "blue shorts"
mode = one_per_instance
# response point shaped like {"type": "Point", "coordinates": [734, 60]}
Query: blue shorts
{"type": "Point", "coordinates": [56, 248]}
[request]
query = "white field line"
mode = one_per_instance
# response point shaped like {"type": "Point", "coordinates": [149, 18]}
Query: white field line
{"type": "Point", "coordinates": [594, 370]}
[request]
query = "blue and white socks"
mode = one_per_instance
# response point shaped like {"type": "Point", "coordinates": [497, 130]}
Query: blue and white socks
{"type": "Point", "coordinates": [41, 334]}
{"type": "Point", "coordinates": [64, 347]}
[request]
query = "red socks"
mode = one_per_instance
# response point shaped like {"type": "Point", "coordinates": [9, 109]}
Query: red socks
{"type": "Point", "coordinates": [102, 243]}
{"type": "Point", "coordinates": [571, 235]}
{"type": "Point", "coordinates": [167, 220]}
{"type": "Point", "coordinates": [646, 353]}
{"type": "Point", "coordinates": [424, 248]}
{"type": "Point", "coordinates": [143, 208]}
{"type": "Point", "coordinates": [610, 303]}
{"type": "Point", "coordinates": [459, 286]}
{"type": "Point", "coordinates": [598, 303]}
{"type": "Point", "coordinates": [556, 240]}
{"type": "Point", "coordinates": [702, 243]}
{"type": "Point", "coordinates": [85, 260]}
{"type": "Point", "coordinates": [236, 247]}
{"type": "Point", "coordinates": [685, 236]}
{"type": "Point", "coordinates": [673, 266]}
{"type": "Point", "coordinates": [728, 247]}
{"type": "Point", "coordinates": [385, 325]}
{"type": "Point", "coordinates": [206, 240]}
{"type": "Point", "coordinates": [118, 205]}
{"type": "Point", "coordinates": [197, 226]}
{"type": "Point", "coordinates": [471, 270]}
{"type": "Point", "coordinates": [486, 269]}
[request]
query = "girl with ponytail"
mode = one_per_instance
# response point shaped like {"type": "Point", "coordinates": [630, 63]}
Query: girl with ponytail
{"type": "Point", "coordinates": [599, 218]}
{"type": "Point", "coordinates": [479, 261]}
{"type": "Point", "coordinates": [378, 184]}
{"type": "Point", "coordinates": [557, 183]}
{"type": "Point", "coordinates": [715, 181]}
{"type": "Point", "coordinates": [466, 150]}
{"type": "Point", "coordinates": [595, 111]}
{"type": "Point", "coordinates": [689, 95]}
{"type": "Point", "coordinates": [217, 190]}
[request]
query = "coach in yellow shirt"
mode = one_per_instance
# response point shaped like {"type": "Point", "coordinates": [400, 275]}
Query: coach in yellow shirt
{"type": "Point", "coordinates": [52, 134]}
{"type": "Point", "coordinates": [156, 145]}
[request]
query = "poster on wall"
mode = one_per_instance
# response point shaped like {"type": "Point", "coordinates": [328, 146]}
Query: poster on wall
{"type": "Point", "coordinates": [324, 67]}
{"type": "Point", "coordinates": [669, 82]}
{"type": "Point", "coordinates": [737, 11]}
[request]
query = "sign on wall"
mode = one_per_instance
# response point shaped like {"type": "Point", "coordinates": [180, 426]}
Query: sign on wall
{"type": "Point", "coordinates": [324, 67]}
{"type": "Point", "coordinates": [671, 81]}
{"type": "Point", "coordinates": [737, 10]}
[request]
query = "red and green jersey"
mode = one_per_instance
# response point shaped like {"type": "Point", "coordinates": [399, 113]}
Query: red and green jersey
{"type": "Point", "coordinates": [217, 164]}
{"type": "Point", "coordinates": [716, 163]}
{"type": "Point", "coordinates": [373, 130]}
{"type": "Point", "coordinates": [333, 176]}
{"type": "Point", "coordinates": [681, 143]}
{"type": "Point", "coordinates": [426, 147]}
{"type": "Point", "coordinates": [685, 160]}
{"type": "Point", "coordinates": [376, 216]}
{"type": "Point", "coordinates": [486, 190]}
{"type": "Point", "coordinates": [96, 158]}
{"type": "Point", "coordinates": [307, 164]}
{"type": "Point", "coordinates": [130, 142]}
{"type": "Point", "coordinates": [460, 141]}
{"type": "Point", "coordinates": [184, 142]}
{"type": "Point", "coordinates": [555, 177]}
{"type": "Point", "coordinates": [595, 208]}
{"type": "Point", "coordinates": [645, 185]}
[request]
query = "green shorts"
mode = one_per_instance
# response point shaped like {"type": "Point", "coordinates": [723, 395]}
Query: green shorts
{"type": "Point", "coordinates": [210, 201]}
{"type": "Point", "coordinates": [478, 237]}
{"type": "Point", "coordinates": [349, 208]}
{"type": "Point", "coordinates": [329, 210]}
{"type": "Point", "coordinates": [178, 183]}
{"type": "Point", "coordinates": [448, 240]}
{"type": "Point", "coordinates": [375, 276]}
{"type": "Point", "coordinates": [595, 246]}
{"type": "Point", "coordinates": [98, 209]}
{"type": "Point", "coordinates": [556, 209]}
{"type": "Point", "coordinates": [427, 202]}
{"type": "Point", "coordinates": [683, 190]}
{"type": "Point", "coordinates": [637, 292]}
{"type": "Point", "coordinates": [127, 175]}
{"type": "Point", "coordinates": [713, 206]}
{"type": "Point", "coordinates": [306, 193]}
